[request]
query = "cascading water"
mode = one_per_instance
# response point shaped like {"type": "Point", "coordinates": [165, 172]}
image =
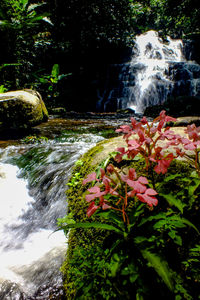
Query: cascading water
{"type": "Point", "coordinates": [32, 196]}
{"type": "Point", "coordinates": [152, 85]}
{"type": "Point", "coordinates": [157, 70]}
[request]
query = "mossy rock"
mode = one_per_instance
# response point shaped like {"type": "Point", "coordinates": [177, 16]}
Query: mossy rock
{"type": "Point", "coordinates": [88, 241]}
{"type": "Point", "coordinates": [23, 108]}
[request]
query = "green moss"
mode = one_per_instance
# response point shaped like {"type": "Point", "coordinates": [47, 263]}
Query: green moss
{"type": "Point", "coordinates": [77, 206]}
{"type": "Point", "coordinates": [44, 111]}
{"type": "Point", "coordinates": [19, 113]}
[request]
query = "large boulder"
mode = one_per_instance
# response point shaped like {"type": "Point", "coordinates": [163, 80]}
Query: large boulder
{"type": "Point", "coordinates": [23, 108]}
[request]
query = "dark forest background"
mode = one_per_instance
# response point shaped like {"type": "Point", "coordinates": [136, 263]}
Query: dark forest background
{"type": "Point", "coordinates": [63, 48]}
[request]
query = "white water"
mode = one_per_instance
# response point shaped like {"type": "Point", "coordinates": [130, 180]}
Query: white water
{"type": "Point", "coordinates": [153, 61]}
{"type": "Point", "coordinates": [31, 252]}
{"type": "Point", "coordinates": [17, 256]}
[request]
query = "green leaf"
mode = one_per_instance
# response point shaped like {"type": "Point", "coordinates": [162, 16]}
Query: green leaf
{"type": "Point", "coordinates": [140, 239]}
{"type": "Point", "coordinates": [91, 225]}
{"type": "Point", "coordinates": [43, 80]}
{"type": "Point", "coordinates": [136, 212]}
{"type": "Point", "coordinates": [171, 177]}
{"type": "Point", "coordinates": [139, 296]}
{"type": "Point", "coordinates": [174, 235]}
{"type": "Point", "coordinates": [160, 224]}
{"type": "Point", "coordinates": [55, 71]}
{"type": "Point", "coordinates": [160, 266]}
{"type": "Point", "coordinates": [133, 278]}
{"type": "Point", "coordinates": [173, 201]}
{"type": "Point", "coordinates": [113, 217]}
{"type": "Point", "coordinates": [24, 3]}
{"type": "Point", "coordinates": [2, 88]}
{"type": "Point", "coordinates": [151, 218]}
{"type": "Point", "coordinates": [187, 222]}
{"type": "Point", "coordinates": [192, 188]}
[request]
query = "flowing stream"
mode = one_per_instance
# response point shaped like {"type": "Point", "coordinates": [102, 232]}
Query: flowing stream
{"type": "Point", "coordinates": [33, 181]}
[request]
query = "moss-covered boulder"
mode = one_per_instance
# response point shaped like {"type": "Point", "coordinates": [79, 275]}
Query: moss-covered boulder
{"type": "Point", "coordinates": [23, 108]}
{"type": "Point", "coordinates": [84, 270]}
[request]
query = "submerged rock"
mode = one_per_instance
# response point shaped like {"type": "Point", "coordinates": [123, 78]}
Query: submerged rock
{"type": "Point", "coordinates": [22, 109]}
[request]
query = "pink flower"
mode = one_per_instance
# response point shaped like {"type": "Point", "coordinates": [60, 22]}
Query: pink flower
{"type": "Point", "coordinates": [91, 209]}
{"type": "Point", "coordinates": [148, 197]}
{"type": "Point", "coordinates": [163, 164]}
{"type": "Point", "coordinates": [136, 186]}
{"type": "Point", "coordinates": [121, 153]}
{"type": "Point", "coordinates": [90, 177]}
{"type": "Point", "coordinates": [95, 192]}
{"type": "Point", "coordinates": [133, 144]}
{"type": "Point", "coordinates": [163, 119]}
{"type": "Point", "coordinates": [132, 174]}
{"type": "Point", "coordinates": [193, 132]}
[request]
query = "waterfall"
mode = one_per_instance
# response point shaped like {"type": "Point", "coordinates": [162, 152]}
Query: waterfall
{"type": "Point", "coordinates": [32, 196]}
{"type": "Point", "coordinates": [157, 70]}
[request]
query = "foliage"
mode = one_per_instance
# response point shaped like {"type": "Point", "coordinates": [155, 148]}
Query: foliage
{"type": "Point", "coordinates": [19, 19]}
{"type": "Point", "coordinates": [48, 84]}
{"type": "Point", "coordinates": [149, 233]}
{"type": "Point", "coordinates": [82, 39]}
{"type": "Point", "coordinates": [2, 89]}
{"type": "Point", "coordinates": [174, 18]}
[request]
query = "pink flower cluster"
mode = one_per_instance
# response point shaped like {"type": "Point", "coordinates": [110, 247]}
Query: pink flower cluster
{"type": "Point", "coordinates": [146, 140]}
{"type": "Point", "coordinates": [134, 187]}
{"type": "Point", "coordinates": [141, 138]}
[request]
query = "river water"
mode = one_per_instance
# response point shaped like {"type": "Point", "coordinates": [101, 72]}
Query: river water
{"type": "Point", "coordinates": [33, 179]}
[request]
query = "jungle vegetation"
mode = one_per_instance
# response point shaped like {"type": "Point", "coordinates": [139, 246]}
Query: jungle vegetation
{"type": "Point", "coordinates": [57, 46]}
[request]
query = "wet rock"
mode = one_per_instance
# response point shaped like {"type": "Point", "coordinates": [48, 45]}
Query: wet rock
{"type": "Point", "coordinates": [11, 291]}
{"type": "Point", "coordinates": [22, 109]}
{"type": "Point", "coordinates": [177, 107]}
{"type": "Point", "coordinates": [45, 293]}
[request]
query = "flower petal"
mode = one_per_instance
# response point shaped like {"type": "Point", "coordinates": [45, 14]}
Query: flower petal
{"type": "Point", "coordinates": [91, 209]}
{"type": "Point", "coordinates": [90, 177]}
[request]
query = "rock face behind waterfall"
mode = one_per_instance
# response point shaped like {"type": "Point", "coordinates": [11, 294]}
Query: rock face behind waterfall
{"type": "Point", "coordinates": [23, 108]}
{"type": "Point", "coordinates": [156, 71]}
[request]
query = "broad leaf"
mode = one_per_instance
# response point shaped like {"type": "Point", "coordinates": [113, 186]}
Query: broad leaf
{"type": "Point", "coordinates": [171, 177]}
{"type": "Point", "coordinates": [24, 3]}
{"type": "Point", "coordinates": [160, 266]}
{"type": "Point", "coordinates": [115, 219]}
{"type": "Point", "coordinates": [55, 71]}
{"type": "Point", "coordinates": [177, 238]}
{"type": "Point", "coordinates": [151, 218]}
{"type": "Point", "coordinates": [173, 201]}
